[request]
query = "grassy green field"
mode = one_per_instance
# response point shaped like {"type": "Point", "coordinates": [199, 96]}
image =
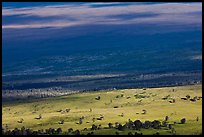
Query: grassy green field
{"type": "Point", "coordinates": [130, 102]}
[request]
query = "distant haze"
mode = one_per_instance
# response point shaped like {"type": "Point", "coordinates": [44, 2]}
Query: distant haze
{"type": "Point", "coordinates": [42, 40]}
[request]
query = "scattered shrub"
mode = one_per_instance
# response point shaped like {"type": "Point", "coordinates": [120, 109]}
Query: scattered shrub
{"type": "Point", "coordinates": [98, 98]}
{"type": "Point", "coordinates": [183, 121]}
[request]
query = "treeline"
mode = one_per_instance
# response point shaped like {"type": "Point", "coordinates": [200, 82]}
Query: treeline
{"type": "Point", "coordinates": [136, 125]}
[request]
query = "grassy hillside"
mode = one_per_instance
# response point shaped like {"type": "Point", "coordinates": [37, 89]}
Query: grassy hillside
{"type": "Point", "coordinates": [112, 104]}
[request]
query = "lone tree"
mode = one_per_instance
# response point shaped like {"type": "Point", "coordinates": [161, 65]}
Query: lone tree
{"type": "Point", "coordinates": [93, 119]}
{"type": "Point", "coordinates": [166, 118]}
{"type": "Point", "coordinates": [144, 111]}
{"type": "Point", "coordinates": [183, 121]}
{"type": "Point", "coordinates": [68, 110]}
{"type": "Point", "coordinates": [122, 115]}
{"type": "Point", "coordinates": [116, 124]}
{"type": "Point", "coordinates": [94, 127]}
{"type": "Point", "coordinates": [188, 96]}
{"type": "Point", "coordinates": [99, 126]}
{"type": "Point", "coordinates": [197, 119]}
{"type": "Point", "coordinates": [110, 125]}
{"type": "Point", "coordinates": [80, 121]}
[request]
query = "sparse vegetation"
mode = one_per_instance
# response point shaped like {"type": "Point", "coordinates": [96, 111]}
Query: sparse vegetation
{"type": "Point", "coordinates": [146, 117]}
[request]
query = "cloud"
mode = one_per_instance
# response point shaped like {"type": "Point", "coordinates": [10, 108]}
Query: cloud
{"type": "Point", "coordinates": [89, 13]}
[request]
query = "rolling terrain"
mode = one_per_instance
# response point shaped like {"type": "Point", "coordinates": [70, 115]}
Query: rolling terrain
{"type": "Point", "coordinates": [81, 110]}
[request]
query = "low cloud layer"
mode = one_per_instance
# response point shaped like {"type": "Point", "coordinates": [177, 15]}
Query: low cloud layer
{"type": "Point", "coordinates": [68, 15]}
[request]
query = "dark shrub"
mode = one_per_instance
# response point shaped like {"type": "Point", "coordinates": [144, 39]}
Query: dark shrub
{"type": "Point", "coordinates": [77, 132]}
{"type": "Point", "coordinates": [20, 120]}
{"type": "Point", "coordinates": [184, 98]}
{"type": "Point", "coordinates": [117, 96]}
{"type": "Point", "coordinates": [193, 100]}
{"type": "Point", "coordinates": [61, 122]}
{"type": "Point", "coordinates": [110, 125]}
{"type": "Point", "coordinates": [170, 126]}
{"type": "Point", "coordinates": [68, 110]}
{"type": "Point", "coordinates": [147, 124]}
{"type": "Point", "coordinates": [51, 131]}
{"type": "Point", "coordinates": [94, 127]}
{"type": "Point", "coordinates": [144, 111]}
{"type": "Point", "coordinates": [116, 124]}
{"type": "Point", "coordinates": [70, 130]}
{"type": "Point", "coordinates": [197, 118]}
{"type": "Point", "coordinates": [99, 126]}
{"type": "Point", "coordinates": [120, 127]}
{"type": "Point", "coordinates": [93, 119]}
{"type": "Point", "coordinates": [85, 129]}
{"type": "Point", "coordinates": [59, 131]}
{"type": "Point", "coordinates": [183, 121]}
{"type": "Point", "coordinates": [80, 121]}
{"type": "Point", "coordinates": [164, 124]}
{"type": "Point", "coordinates": [188, 96]}
{"type": "Point", "coordinates": [39, 117]}
{"type": "Point", "coordinates": [166, 118]}
{"type": "Point", "coordinates": [156, 124]}
{"type": "Point", "coordinates": [98, 98]}
{"type": "Point", "coordinates": [138, 124]}
{"type": "Point", "coordinates": [130, 124]}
